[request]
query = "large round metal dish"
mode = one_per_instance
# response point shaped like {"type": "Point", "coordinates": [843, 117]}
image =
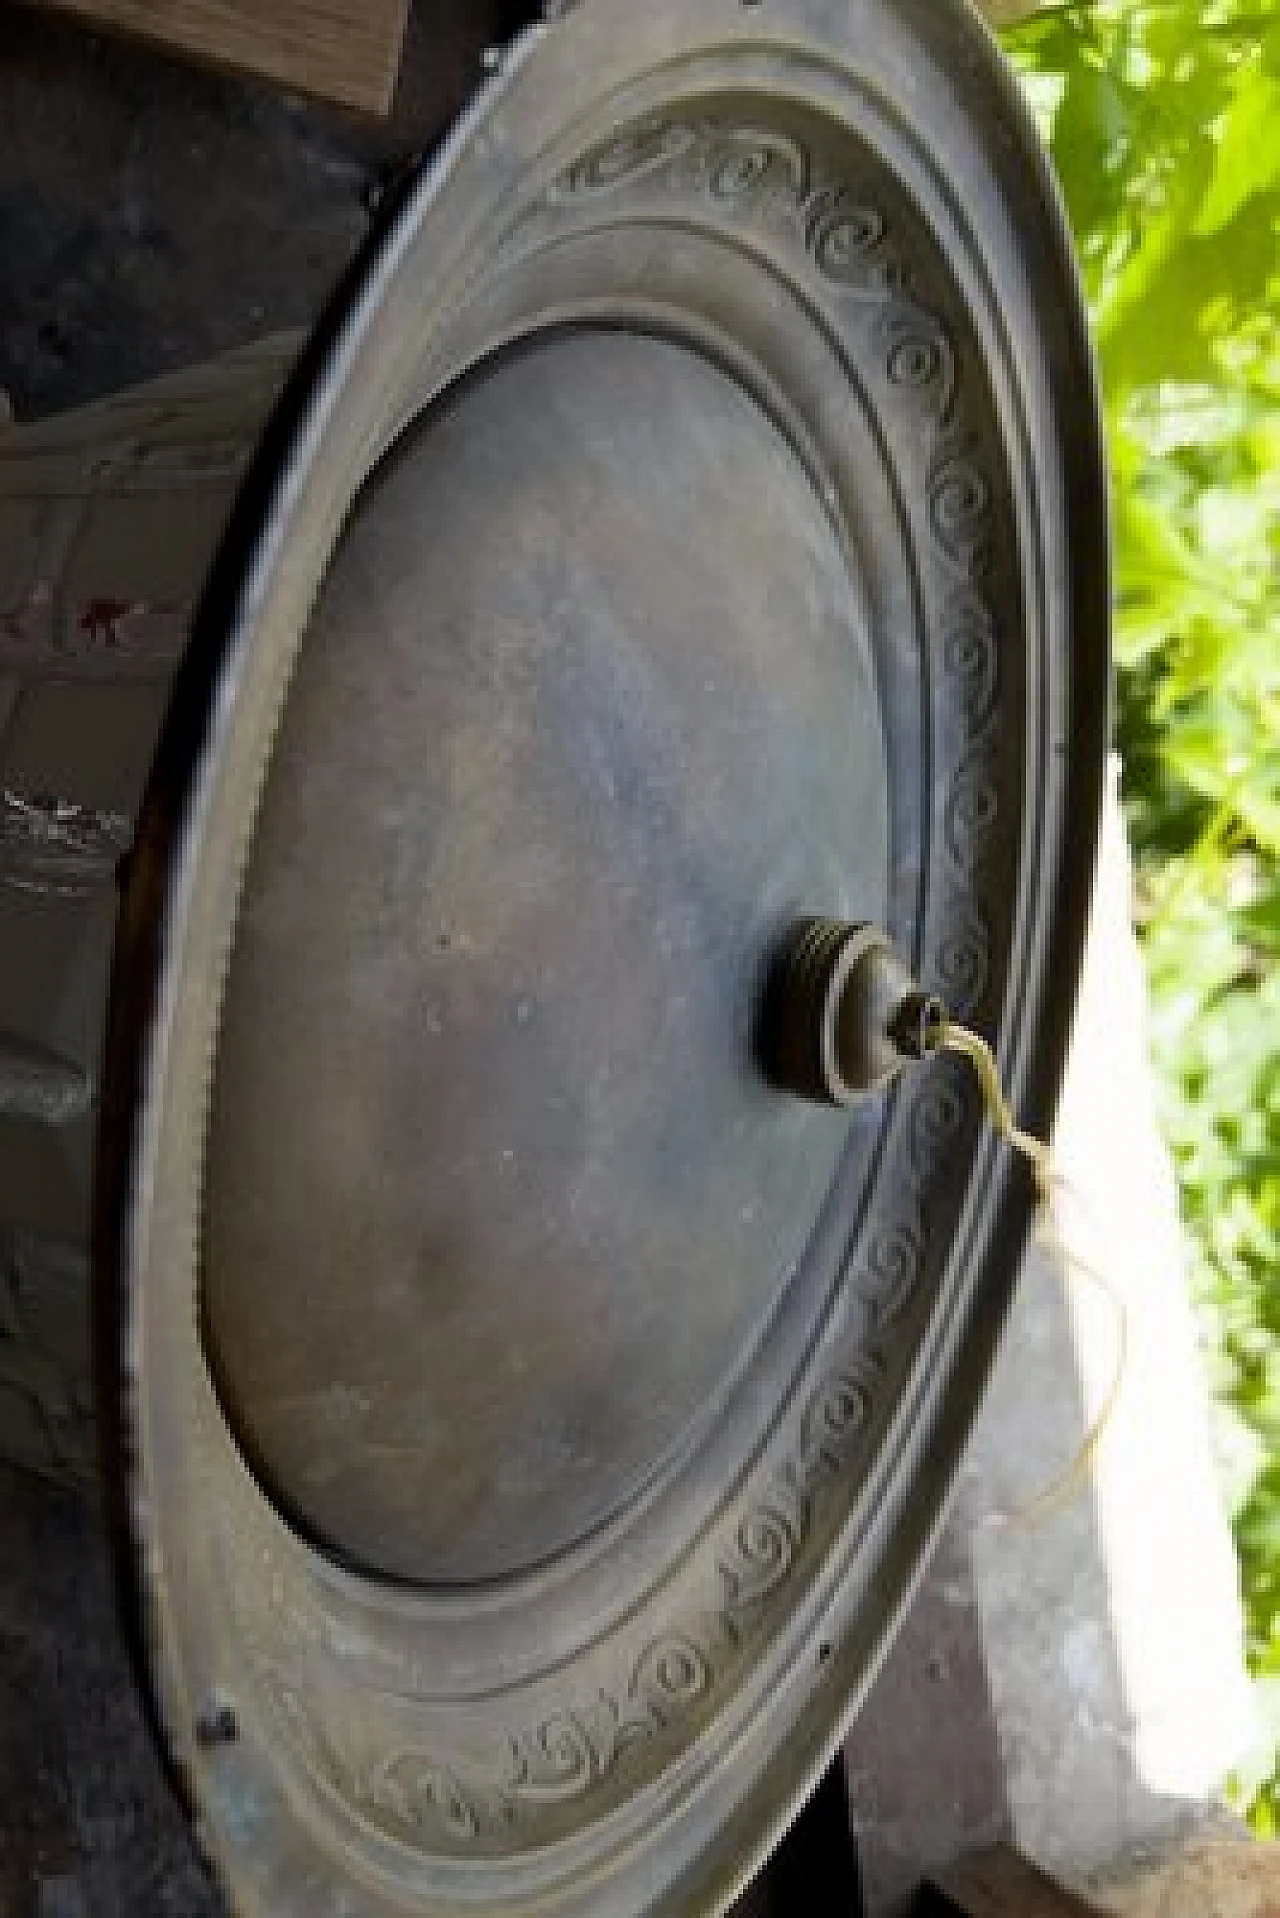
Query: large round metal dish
{"type": "Point", "coordinates": [526, 1420]}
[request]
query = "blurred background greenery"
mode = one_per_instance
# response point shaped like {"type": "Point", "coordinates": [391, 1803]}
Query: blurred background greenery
{"type": "Point", "coordinates": [1163, 118]}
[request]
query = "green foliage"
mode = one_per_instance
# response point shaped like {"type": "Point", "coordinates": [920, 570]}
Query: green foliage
{"type": "Point", "coordinates": [1164, 125]}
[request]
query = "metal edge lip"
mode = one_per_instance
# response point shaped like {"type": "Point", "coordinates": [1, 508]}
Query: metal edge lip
{"type": "Point", "coordinates": [155, 888]}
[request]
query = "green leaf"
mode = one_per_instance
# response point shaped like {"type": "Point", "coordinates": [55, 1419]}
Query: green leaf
{"type": "Point", "coordinates": [1248, 156]}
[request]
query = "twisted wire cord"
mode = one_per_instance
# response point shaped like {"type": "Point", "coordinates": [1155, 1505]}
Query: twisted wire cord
{"type": "Point", "coordinates": [971, 1047]}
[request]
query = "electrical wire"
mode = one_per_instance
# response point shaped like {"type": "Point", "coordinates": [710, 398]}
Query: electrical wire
{"type": "Point", "coordinates": [970, 1046]}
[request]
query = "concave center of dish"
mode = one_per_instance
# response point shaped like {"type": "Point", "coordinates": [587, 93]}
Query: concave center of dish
{"type": "Point", "coordinates": [497, 1199]}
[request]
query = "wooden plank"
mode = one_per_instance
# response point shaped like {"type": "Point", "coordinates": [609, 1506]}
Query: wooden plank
{"type": "Point", "coordinates": [342, 50]}
{"type": "Point", "coordinates": [999, 1883]}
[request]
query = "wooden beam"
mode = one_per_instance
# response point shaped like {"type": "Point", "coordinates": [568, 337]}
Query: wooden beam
{"type": "Point", "coordinates": [342, 50]}
{"type": "Point", "coordinates": [999, 1883]}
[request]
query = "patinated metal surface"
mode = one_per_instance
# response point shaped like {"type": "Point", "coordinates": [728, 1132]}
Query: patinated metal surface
{"type": "Point", "coordinates": [497, 1195]}
{"type": "Point", "coordinates": [735, 551]}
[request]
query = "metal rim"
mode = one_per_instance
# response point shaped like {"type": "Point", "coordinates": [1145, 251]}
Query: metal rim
{"type": "Point", "coordinates": [656, 1755]}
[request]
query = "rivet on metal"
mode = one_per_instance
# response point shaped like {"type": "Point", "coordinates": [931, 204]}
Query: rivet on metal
{"type": "Point", "coordinates": [217, 1725]}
